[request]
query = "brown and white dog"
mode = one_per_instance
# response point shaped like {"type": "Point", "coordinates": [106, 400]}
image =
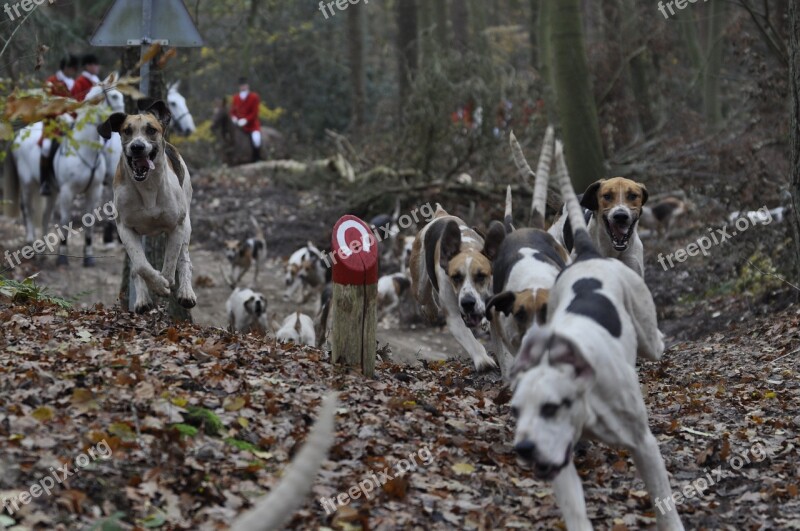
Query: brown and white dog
{"type": "Point", "coordinates": [392, 290]}
{"type": "Point", "coordinates": [616, 206]}
{"type": "Point", "coordinates": [296, 328]}
{"type": "Point", "coordinates": [250, 251]}
{"type": "Point", "coordinates": [526, 266]}
{"type": "Point", "coordinates": [451, 274]}
{"type": "Point", "coordinates": [152, 194]}
{"type": "Point", "coordinates": [247, 311]}
{"type": "Point", "coordinates": [304, 273]}
{"type": "Point", "coordinates": [662, 215]}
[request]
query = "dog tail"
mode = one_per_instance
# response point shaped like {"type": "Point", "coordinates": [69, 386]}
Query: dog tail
{"type": "Point", "coordinates": [508, 219]}
{"type": "Point", "coordinates": [259, 232]}
{"type": "Point", "coordinates": [273, 511]}
{"type": "Point", "coordinates": [539, 201]}
{"type": "Point", "coordinates": [583, 245]}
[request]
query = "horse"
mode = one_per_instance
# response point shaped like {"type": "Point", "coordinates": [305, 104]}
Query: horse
{"type": "Point", "coordinates": [236, 144]}
{"type": "Point", "coordinates": [79, 166]}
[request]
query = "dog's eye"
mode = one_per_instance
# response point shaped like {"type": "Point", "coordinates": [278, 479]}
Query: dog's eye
{"type": "Point", "coordinates": [567, 403]}
{"type": "Point", "coordinates": [458, 278]}
{"type": "Point", "coordinates": [632, 197]}
{"type": "Point", "coordinates": [607, 197]}
{"type": "Point", "coordinates": [480, 277]}
{"type": "Point", "coordinates": [549, 410]}
{"type": "Point", "coordinates": [150, 130]}
{"type": "Point", "coordinates": [515, 412]}
{"type": "Point", "coordinates": [128, 131]}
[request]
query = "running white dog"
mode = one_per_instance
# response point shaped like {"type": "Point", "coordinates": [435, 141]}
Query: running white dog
{"type": "Point", "coordinates": [247, 311]}
{"type": "Point", "coordinates": [296, 328]}
{"type": "Point", "coordinates": [576, 375]}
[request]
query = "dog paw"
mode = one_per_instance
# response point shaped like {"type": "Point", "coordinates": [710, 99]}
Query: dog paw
{"type": "Point", "coordinates": [157, 283]}
{"type": "Point", "coordinates": [143, 302]}
{"type": "Point", "coordinates": [186, 297]}
{"type": "Point", "coordinates": [485, 364]}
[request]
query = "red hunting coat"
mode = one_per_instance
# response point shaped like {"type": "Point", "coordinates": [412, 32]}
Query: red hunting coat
{"type": "Point", "coordinates": [56, 87]}
{"type": "Point", "coordinates": [247, 109]}
{"type": "Point", "coordinates": [81, 87]}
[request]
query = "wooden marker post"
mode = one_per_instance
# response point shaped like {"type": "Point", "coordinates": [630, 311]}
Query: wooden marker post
{"type": "Point", "coordinates": [355, 294]}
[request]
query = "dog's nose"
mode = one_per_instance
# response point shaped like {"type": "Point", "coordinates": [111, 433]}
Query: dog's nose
{"type": "Point", "coordinates": [137, 147]}
{"type": "Point", "coordinates": [526, 450]}
{"type": "Point", "coordinates": [468, 303]}
{"type": "Point", "coordinates": [621, 217]}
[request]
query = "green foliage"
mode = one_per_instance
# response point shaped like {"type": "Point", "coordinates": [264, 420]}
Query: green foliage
{"type": "Point", "coordinates": [186, 430]}
{"type": "Point", "coordinates": [206, 419]}
{"type": "Point", "coordinates": [241, 445]}
{"type": "Point", "coordinates": [758, 276]}
{"type": "Point", "coordinates": [28, 290]}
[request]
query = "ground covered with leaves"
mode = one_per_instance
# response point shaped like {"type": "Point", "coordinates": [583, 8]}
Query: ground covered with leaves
{"type": "Point", "coordinates": [198, 422]}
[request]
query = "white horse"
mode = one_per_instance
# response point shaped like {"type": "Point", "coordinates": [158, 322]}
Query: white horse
{"type": "Point", "coordinates": [79, 167]}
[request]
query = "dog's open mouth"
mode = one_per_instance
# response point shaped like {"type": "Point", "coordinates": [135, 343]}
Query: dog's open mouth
{"type": "Point", "coordinates": [472, 320]}
{"type": "Point", "coordinates": [619, 234]}
{"type": "Point", "coordinates": [142, 165]}
{"type": "Point", "coordinates": [549, 472]}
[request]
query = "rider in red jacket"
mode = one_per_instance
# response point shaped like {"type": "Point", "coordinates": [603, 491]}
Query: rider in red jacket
{"type": "Point", "coordinates": [244, 113]}
{"type": "Point", "coordinates": [59, 84]}
{"type": "Point", "coordinates": [88, 78]}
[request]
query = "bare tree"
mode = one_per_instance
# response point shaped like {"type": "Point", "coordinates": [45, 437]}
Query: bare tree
{"type": "Point", "coordinates": [407, 46]}
{"type": "Point", "coordinates": [794, 83]}
{"type": "Point", "coordinates": [355, 42]}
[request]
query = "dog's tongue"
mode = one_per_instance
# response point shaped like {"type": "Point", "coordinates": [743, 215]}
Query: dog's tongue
{"type": "Point", "coordinates": [143, 163]}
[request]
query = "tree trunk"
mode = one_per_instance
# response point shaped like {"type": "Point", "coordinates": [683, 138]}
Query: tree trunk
{"type": "Point", "coordinates": [638, 66]}
{"type": "Point", "coordinates": [712, 105]}
{"type": "Point", "coordinates": [460, 20]}
{"type": "Point", "coordinates": [545, 45]}
{"type": "Point", "coordinates": [440, 16]}
{"type": "Point", "coordinates": [355, 42]}
{"type": "Point", "coordinates": [688, 24]}
{"type": "Point", "coordinates": [533, 33]}
{"type": "Point", "coordinates": [407, 45]}
{"type": "Point", "coordinates": [794, 83]}
{"type": "Point", "coordinates": [576, 107]}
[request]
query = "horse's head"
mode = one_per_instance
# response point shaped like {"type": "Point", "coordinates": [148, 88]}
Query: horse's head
{"type": "Point", "coordinates": [182, 119]}
{"type": "Point", "coordinates": [111, 97]}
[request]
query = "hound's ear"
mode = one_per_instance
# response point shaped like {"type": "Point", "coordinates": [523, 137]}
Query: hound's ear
{"type": "Point", "coordinates": [645, 194]}
{"type": "Point", "coordinates": [159, 110]}
{"type": "Point", "coordinates": [248, 304]}
{"type": "Point", "coordinates": [493, 239]}
{"type": "Point", "coordinates": [502, 302]}
{"type": "Point", "coordinates": [111, 125]}
{"type": "Point", "coordinates": [589, 201]}
{"type": "Point", "coordinates": [449, 244]}
{"type": "Point", "coordinates": [562, 352]}
{"type": "Point", "coordinates": [530, 352]}
{"type": "Point", "coordinates": [145, 103]}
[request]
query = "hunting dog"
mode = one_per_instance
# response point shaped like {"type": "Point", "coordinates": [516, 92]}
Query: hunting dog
{"type": "Point", "coordinates": [451, 273]}
{"type": "Point", "coordinates": [304, 273]}
{"type": "Point", "coordinates": [526, 266]}
{"type": "Point", "coordinates": [392, 290]}
{"type": "Point", "coordinates": [296, 328]}
{"type": "Point", "coordinates": [615, 206]}
{"type": "Point", "coordinates": [242, 254]}
{"type": "Point", "coordinates": [152, 194]}
{"type": "Point", "coordinates": [662, 215]}
{"type": "Point", "coordinates": [247, 311]}
{"type": "Point", "coordinates": [576, 375]}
